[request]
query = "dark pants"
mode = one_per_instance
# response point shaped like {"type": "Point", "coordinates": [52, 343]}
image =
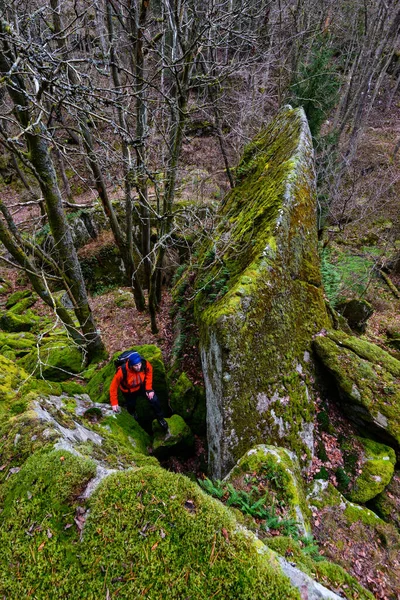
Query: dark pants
{"type": "Point", "coordinates": [130, 399]}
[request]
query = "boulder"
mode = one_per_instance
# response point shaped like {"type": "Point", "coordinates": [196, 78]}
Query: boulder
{"type": "Point", "coordinates": [17, 297]}
{"type": "Point", "coordinates": [13, 322]}
{"type": "Point", "coordinates": [387, 503]}
{"type": "Point", "coordinates": [357, 312]}
{"type": "Point", "coordinates": [377, 471]}
{"type": "Point", "coordinates": [276, 474]}
{"type": "Point", "coordinates": [259, 299]}
{"type": "Point", "coordinates": [56, 359]}
{"type": "Point", "coordinates": [188, 400]}
{"type": "Point", "coordinates": [178, 439]}
{"type": "Point", "coordinates": [368, 383]}
{"type": "Point", "coordinates": [21, 343]}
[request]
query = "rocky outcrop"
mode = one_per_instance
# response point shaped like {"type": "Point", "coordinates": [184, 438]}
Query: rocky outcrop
{"type": "Point", "coordinates": [368, 382]}
{"type": "Point", "coordinates": [259, 299]}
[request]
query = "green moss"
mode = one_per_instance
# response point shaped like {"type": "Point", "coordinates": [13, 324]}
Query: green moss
{"type": "Point", "coordinates": [21, 343]}
{"type": "Point", "coordinates": [178, 439]}
{"type": "Point", "coordinates": [377, 471]}
{"type": "Point", "coordinates": [55, 360]}
{"type": "Point", "coordinates": [20, 308]}
{"type": "Point", "coordinates": [168, 533]}
{"type": "Point", "coordinates": [367, 378]}
{"type": "Point", "coordinates": [126, 431]}
{"type": "Point", "coordinates": [11, 378]}
{"type": "Point", "coordinates": [354, 514]}
{"type": "Point", "coordinates": [188, 401]}
{"type": "Point", "coordinates": [15, 323]}
{"type": "Point", "coordinates": [38, 532]}
{"type": "Point", "coordinates": [17, 297]}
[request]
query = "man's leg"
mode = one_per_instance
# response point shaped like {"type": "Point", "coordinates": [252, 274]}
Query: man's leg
{"type": "Point", "coordinates": [156, 406]}
{"type": "Point", "coordinates": [130, 399]}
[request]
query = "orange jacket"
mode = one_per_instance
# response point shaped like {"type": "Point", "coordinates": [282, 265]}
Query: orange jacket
{"type": "Point", "coordinates": [134, 380]}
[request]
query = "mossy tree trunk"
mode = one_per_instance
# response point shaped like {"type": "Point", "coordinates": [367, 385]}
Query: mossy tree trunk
{"type": "Point", "coordinates": [43, 169]}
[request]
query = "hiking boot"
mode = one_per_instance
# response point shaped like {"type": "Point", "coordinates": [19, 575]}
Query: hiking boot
{"type": "Point", "coordinates": [163, 423]}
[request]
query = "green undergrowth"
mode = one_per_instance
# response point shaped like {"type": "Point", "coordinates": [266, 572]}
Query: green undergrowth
{"type": "Point", "coordinates": [254, 504]}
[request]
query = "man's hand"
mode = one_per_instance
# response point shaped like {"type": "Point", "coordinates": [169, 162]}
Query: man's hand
{"type": "Point", "coordinates": [150, 395]}
{"type": "Point", "coordinates": [116, 409]}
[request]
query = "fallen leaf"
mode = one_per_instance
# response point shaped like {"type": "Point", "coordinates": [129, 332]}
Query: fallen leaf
{"type": "Point", "coordinates": [154, 546]}
{"type": "Point", "coordinates": [68, 525]}
{"type": "Point", "coordinates": [41, 546]}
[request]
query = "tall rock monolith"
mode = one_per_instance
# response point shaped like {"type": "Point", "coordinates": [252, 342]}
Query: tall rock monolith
{"type": "Point", "coordinates": [259, 299]}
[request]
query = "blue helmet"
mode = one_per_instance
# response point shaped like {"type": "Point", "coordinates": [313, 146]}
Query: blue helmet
{"type": "Point", "coordinates": [134, 359]}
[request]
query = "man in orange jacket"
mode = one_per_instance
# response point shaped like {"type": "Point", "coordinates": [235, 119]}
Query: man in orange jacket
{"type": "Point", "coordinates": [135, 378]}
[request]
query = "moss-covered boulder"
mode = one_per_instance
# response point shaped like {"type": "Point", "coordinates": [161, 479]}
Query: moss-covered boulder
{"type": "Point", "coordinates": [276, 474]}
{"type": "Point", "coordinates": [11, 321]}
{"type": "Point", "coordinates": [102, 267]}
{"type": "Point", "coordinates": [377, 471]}
{"type": "Point", "coordinates": [387, 503]}
{"type": "Point", "coordinates": [98, 386]}
{"type": "Point", "coordinates": [189, 401]}
{"type": "Point", "coordinates": [356, 538]}
{"type": "Point", "coordinates": [12, 377]}
{"type": "Point", "coordinates": [178, 439]}
{"type": "Point", "coordinates": [356, 312]}
{"type": "Point", "coordinates": [16, 297]}
{"type": "Point", "coordinates": [21, 343]}
{"type": "Point", "coordinates": [55, 359]}
{"type": "Point", "coordinates": [260, 300]}
{"type": "Point", "coordinates": [368, 382]}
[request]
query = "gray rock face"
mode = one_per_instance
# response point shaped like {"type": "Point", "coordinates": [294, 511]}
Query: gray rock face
{"type": "Point", "coordinates": [260, 300]}
{"type": "Point", "coordinates": [309, 588]}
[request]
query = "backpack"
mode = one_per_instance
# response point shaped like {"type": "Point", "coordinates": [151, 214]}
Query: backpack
{"type": "Point", "coordinates": [120, 361]}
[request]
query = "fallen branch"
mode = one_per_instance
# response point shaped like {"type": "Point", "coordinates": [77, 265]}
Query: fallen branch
{"type": "Point", "coordinates": [390, 284]}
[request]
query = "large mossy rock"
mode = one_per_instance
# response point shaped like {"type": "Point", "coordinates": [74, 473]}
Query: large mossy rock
{"type": "Point", "coordinates": [98, 386]}
{"type": "Point", "coordinates": [377, 469]}
{"type": "Point", "coordinates": [21, 343]}
{"type": "Point", "coordinates": [12, 377]}
{"type": "Point", "coordinates": [368, 382]}
{"type": "Point", "coordinates": [276, 473]}
{"type": "Point", "coordinates": [260, 299]}
{"type": "Point", "coordinates": [56, 359]}
{"type": "Point", "coordinates": [188, 400]}
{"type": "Point", "coordinates": [13, 322]}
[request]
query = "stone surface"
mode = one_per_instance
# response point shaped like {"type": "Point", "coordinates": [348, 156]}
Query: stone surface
{"type": "Point", "coordinates": [178, 439]}
{"type": "Point", "coordinates": [368, 381]}
{"type": "Point", "coordinates": [260, 299]}
{"type": "Point", "coordinates": [357, 312]}
{"type": "Point", "coordinates": [377, 471]}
